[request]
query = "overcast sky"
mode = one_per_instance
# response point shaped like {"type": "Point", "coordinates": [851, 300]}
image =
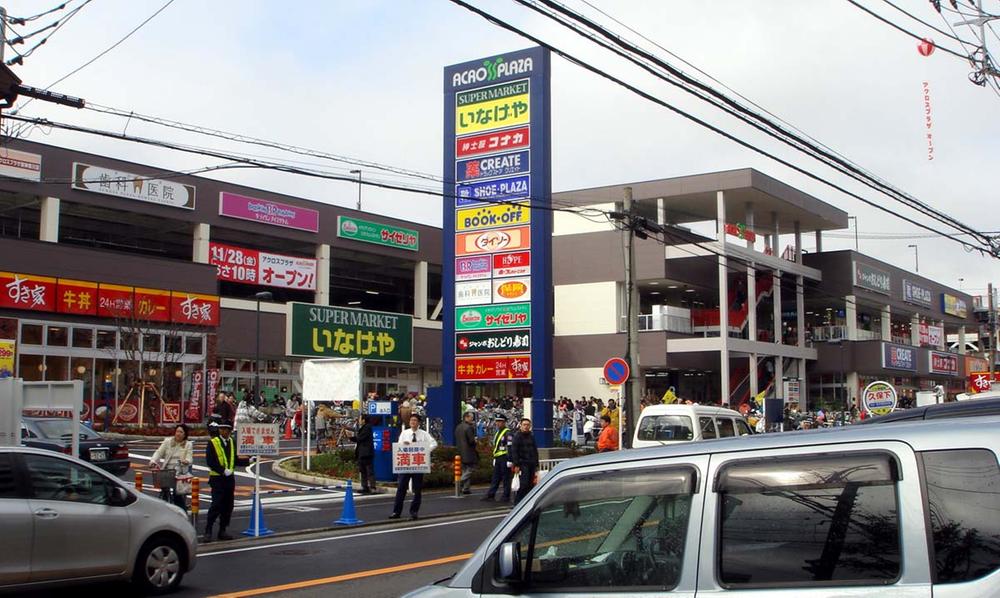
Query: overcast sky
{"type": "Point", "coordinates": [364, 80]}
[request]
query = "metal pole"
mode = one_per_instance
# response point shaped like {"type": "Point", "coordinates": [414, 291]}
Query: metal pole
{"type": "Point", "coordinates": [358, 172]}
{"type": "Point", "coordinates": [993, 331]}
{"type": "Point", "coordinates": [256, 494]}
{"type": "Point", "coordinates": [632, 304]}
{"type": "Point", "coordinates": [3, 31]}
{"type": "Point", "coordinates": [256, 359]}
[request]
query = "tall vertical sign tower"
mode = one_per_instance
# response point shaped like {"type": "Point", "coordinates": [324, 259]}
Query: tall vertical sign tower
{"type": "Point", "coordinates": [497, 273]}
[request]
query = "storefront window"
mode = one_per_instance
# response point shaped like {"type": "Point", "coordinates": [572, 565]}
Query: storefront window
{"type": "Point", "coordinates": [82, 368]}
{"type": "Point", "coordinates": [105, 339]}
{"type": "Point", "coordinates": [174, 345]}
{"type": "Point", "coordinates": [229, 365]}
{"type": "Point", "coordinates": [129, 341]}
{"type": "Point", "coordinates": [58, 336]}
{"type": "Point", "coordinates": [56, 368]}
{"type": "Point", "coordinates": [83, 338]}
{"type": "Point", "coordinates": [152, 342]}
{"type": "Point", "coordinates": [31, 367]}
{"type": "Point", "coordinates": [31, 334]}
{"type": "Point", "coordinates": [192, 345]}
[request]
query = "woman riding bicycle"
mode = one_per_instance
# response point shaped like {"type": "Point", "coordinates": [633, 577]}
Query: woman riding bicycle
{"type": "Point", "coordinates": [175, 455]}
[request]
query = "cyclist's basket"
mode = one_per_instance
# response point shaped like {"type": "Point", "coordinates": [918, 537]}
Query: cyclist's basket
{"type": "Point", "coordinates": [165, 479]}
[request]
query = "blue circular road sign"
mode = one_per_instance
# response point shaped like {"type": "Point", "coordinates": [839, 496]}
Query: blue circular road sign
{"type": "Point", "coordinates": [616, 370]}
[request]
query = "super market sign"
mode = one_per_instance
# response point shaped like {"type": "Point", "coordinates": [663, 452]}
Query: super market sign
{"type": "Point", "coordinates": [329, 331]}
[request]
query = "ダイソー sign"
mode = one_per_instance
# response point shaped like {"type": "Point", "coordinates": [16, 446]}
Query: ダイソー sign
{"type": "Point", "coordinates": [899, 357]}
{"type": "Point", "coordinates": [257, 439]}
{"type": "Point", "coordinates": [378, 233]}
{"type": "Point", "coordinates": [132, 186]}
{"type": "Point", "coordinates": [489, 241]}
{"type": "Point", "coordinates": [506, 341]}
{"type": "Point", "coordinates": [879, 398]}
{"type": "Point", "coordinates": [413, 457]}
{"type": "Point", "coordinates": [268, 212]}
{"type": "Point", "coordinates": [872, 278]}
{"type": "Point", "coordinates": [328, 331]}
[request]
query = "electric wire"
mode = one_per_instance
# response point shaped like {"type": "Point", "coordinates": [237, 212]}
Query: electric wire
{"type": "Point", "coordinates": [905, 31]}
{"type": "Point", "coordinates": [993, 251]}
{"type": "Point", "coordinates": [59, 24]}
{"type": "Point", "coordinates": [952, 35]}
{"type": "Point", "coordinates": [22, 20]}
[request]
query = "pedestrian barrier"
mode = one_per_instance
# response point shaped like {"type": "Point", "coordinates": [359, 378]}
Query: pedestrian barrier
{"type": "Point", "coordinates": [458, 475]}
{"type": "Point", "coordinates": [195, 498]}
{"type": "Point", "coordinates": [547, 465]}
{"type": "Point", "coordinates": [348, 517]}
{"type": "Point", "coordinates": [138, 481]}
{"type": "Point", "coordinates": [257, 527]}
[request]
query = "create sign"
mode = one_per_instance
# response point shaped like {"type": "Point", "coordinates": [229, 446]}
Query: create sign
{"type": "Point", "coordinates": [327, 331]}
{"type": "Point", "coordinates": [899, 357]}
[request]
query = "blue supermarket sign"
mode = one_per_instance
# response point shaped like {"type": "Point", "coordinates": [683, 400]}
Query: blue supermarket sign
{"type": "Point", "coordinates": [489, 167]}
{"type": "Point", "coordinates": [492, 191]}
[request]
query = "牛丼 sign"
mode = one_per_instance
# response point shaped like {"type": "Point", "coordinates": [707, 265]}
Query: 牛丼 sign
{"type": "Point", "coordinates": [257, 439]}
{"type": "Point", "coordinates": [377, 233]}
{"type": "Point", "coordinates": [132, 186]}
{"type": "Point", "coordinates": [413, 457]}
{"type": "Point", "coordinates": [328, 331]}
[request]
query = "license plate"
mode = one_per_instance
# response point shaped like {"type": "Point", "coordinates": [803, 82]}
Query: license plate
{"type": "Point", "coordinates": [98, 454]}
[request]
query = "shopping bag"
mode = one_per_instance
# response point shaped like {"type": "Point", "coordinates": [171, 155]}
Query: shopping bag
{"type": "Point", "coordinates": [515, 484]}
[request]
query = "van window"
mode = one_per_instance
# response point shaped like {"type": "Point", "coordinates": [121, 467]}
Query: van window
{"type": "Point", "coordinates": [813, 521]}
{"type": "Point", "coordinates": [963, 498]}
{"type": "Point", "coordinates": [707, 428]}
{"type": "Point", "coordinates": [665, 427]}
{"type": "Point", "coordinates": [608, 531]}
{"type": "Point", "coordinates": [725, 426]}
{"type": "Point", "coordinates": [743, 428]}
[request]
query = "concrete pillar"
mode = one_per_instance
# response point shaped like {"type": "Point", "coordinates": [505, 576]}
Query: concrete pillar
{"type": "Point", "coordinates": [800, 311]}
{"type": "Point", "coordinates": [943, 345]}
{"type": "Point", "coordinates": [961, 340]}
{"type": "Point", "coordinates": [779, 374]}
{"type": "Point", "coordinates": [798, 242]}
{"type": "Point", "coordinates": [752, 376]}
{"type": "Point", "coordinates": [420, 290]}
{"type": "Point", "coordinates": [776, 236]}
{"type": "Point", "coordinates": [803, 386]}
{"type": "Point", "coordinates": [887, 322]}
{"type": "Point", "coordinates": [201, 235]}
{"type": "Point", "coordinates": [49, 227]}
{"type": "Point", "coordinates": [776, 296]}
{"type": "Point", "coordinates": [661, 211]}
{"type": "Point", "coordinates": [819, 241]}
{"type": "Point", "coordinates": [322, 274]}
{"type": "Point", "coordinates": [751, 303]}
{"type": "Point", "coordinates": [915, 330]}
{"type": "Point", "coordinates": [749, 222]}
{"type": "Point", "coordinates": [851, 312]}
{"type": "Point", "coordinates": [720, 206]}
{"type": "Point", "coordinates": [852, 390]}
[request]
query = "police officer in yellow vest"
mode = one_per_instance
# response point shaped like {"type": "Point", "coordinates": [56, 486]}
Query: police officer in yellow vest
{"type": "Point", "coordinates": [502, 440]}
{"type": "Point", "coordinates": [220, 453]}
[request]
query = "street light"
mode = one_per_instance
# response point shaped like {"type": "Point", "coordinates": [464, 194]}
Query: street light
{"type": "Point", "coordinates": [916, 258]}
{"type": "Point", "coordinates": [358, 172]}
{"type": "Point", "coordinates": [261, 296]}
{"type": "Point", "coordinates": [855, 219]}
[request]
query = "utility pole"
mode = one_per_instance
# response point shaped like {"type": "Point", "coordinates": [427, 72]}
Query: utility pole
{"type": "Point", "coordinates": [632, 385]}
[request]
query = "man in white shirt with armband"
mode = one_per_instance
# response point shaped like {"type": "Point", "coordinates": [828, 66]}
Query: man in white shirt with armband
{"type": "Point", "coordinates": [409, 436]}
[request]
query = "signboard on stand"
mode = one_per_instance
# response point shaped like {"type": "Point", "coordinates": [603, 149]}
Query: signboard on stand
{"type": "Point", "coordinates": [414, 457]}
{"type": "Point", "coordinates": [257, 439]}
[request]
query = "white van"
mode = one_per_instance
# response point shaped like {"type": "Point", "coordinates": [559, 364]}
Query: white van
{"type": "Point", "coordinates": [905, 510]}
{"type": "Point", "coordinates": [664, 424]}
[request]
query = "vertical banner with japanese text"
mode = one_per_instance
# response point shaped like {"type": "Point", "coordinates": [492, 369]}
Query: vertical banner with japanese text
{"type": "Point", "coordinates": [497, 269]}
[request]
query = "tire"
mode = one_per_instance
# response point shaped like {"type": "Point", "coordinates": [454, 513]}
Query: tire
{"type": "Point", "coordinates": [159, 567]}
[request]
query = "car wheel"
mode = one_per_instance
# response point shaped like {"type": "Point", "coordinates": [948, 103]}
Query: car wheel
{"type": "Point", "coordinates": [159, 569]}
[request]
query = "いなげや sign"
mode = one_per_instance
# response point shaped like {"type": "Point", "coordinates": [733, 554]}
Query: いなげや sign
{"type": "Point", "coordinates": [413, 457]}
{"type": "Point", "coordinates": [327, 331]}
{"type": "Point", "coordinates": [377, 233]}
{"type": "Point", "coordinates": [879, 398]}
{"type": "Point", "coordinates": [257, 439]}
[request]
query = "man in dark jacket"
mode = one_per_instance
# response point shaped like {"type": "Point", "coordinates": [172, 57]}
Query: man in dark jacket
{"type": "Point", "coordinates": [220, 456]}
{"type": "Point", "coordinates": [524, 456]}
{"type": "Point", "coordinates": [465, 439]}
{"type": "Point", "coordinates": [364, 452]}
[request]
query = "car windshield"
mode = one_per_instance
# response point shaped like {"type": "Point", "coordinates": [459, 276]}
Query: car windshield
{"type": "Point", "coordinates": [63, 429]}
{"type": "Point", "coordinates": [665, 428]}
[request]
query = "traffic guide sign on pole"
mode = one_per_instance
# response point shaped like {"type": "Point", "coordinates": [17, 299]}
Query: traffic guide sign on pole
{"type": "Point", "coordinates": [616, 370]}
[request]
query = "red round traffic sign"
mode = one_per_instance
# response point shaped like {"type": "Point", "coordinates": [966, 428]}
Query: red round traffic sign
{"type": "Point", "coordinates": [616, 370]}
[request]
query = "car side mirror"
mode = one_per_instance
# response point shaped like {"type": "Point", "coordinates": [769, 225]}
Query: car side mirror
{"type": "Point", "coordinates": [118, 496]}
{"type": "Point", "coordinates": [509, 562]}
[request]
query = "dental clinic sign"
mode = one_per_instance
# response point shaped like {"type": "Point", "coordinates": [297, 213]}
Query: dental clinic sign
{"type": "Point", "coordinates": [137, 187]}
{"type": "Point", "coordinates": [497, 228]}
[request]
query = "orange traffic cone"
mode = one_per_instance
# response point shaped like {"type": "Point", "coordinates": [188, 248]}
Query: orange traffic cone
{"type": "Point", "coordinates": [288, 429]}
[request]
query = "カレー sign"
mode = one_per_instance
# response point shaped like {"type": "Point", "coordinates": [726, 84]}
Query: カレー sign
{"type": "Point", "coordinates": [250, 266]}
{"type": "Point", "coordinates": [412, 457]}
{"type": "Point", "coordinates": [152, 305]}
{"type": "Point", "coordinates": [268, 212]}
{"type": "Point", "coordinates": [872, 278]}
{"type": "Point", "coordinates": [501, 341]}
{"type": "Point", "coordinates": [879, 398]}
{"type": "Point", "coordinates": [328, 331]}
{"type": "Point", "coordinates": [514, 315]}
{"type": "Point", "coordinates": [378, 233]}
{"type": "Point", "coordinates": [132, 186]}
{"type": "Point", "coordinates": [493, 367]}
{"type": "Point", "coordinates": [257, 439]}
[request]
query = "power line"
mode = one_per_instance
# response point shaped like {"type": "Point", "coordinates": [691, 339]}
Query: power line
{"type": "Point", "coordinates": [23, 20]}
{"type": "Point", "coordinates": [57, 26]}
{"type": "Point", "coordinates": [906, 31]}
{"type": "Point", "coordinates": [731, 107]}
{"type": "Point", "coordinates": [952, 35]}
{"type": "Point", "coordinates": [579, 62]}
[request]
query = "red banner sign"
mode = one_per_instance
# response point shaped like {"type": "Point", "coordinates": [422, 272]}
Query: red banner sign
{"type": "Point", "coordinates": [191, 308]}
{"type": "Point", "coordinates": [486, 143]}
{"type": "Point", "coordinates": [114, 301]}
{"type": "Point", "coordinates": [741, 231]}
{"type": "Point", "coordinates": [152, 305]}
{"type": "Point", "coordinates": [500, 367]}
{"type": "Point", "coordinates": [250, 266]}
{"type": "Point", "coordinates": [193, 412]}
{"type": "Point", "coordinates": [517, 263]}
{"type": "Point", "coordinates": [76, 297]}
{"type": "Point", "coordinates": [980, 381]}
{"type": "Point", "coordinates": [21, 291]}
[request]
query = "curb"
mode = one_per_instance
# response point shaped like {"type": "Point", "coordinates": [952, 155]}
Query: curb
{"type": "Point", "coordinates": [220, 545]}
{"type": "Point", "coordinates": [315, 480]}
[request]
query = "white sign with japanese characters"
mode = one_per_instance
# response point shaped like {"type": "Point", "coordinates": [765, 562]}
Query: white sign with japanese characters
{"type": "Point", "coordinates": [133, 186]}
{"type": "Point", "coordinates": [257, 439]}
{"type": "Point", "coordinates": [413, 457]}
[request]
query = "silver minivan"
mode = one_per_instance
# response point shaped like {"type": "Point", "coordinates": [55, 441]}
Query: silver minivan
{"type": "Point", "coordinates": [62, 520]}
{"type": "Point", "coordinates": [908, 511]}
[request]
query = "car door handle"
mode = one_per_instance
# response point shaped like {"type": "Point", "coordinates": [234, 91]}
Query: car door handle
{"type": "Point", "coordinates": [46, 513]}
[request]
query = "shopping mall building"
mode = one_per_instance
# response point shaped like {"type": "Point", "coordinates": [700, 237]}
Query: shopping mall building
{"type": "Point", "coordinates": [126, 276]}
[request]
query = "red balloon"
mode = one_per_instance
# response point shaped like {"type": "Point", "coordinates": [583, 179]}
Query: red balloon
{"type": "Point", "coordinates": [925, 47]}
